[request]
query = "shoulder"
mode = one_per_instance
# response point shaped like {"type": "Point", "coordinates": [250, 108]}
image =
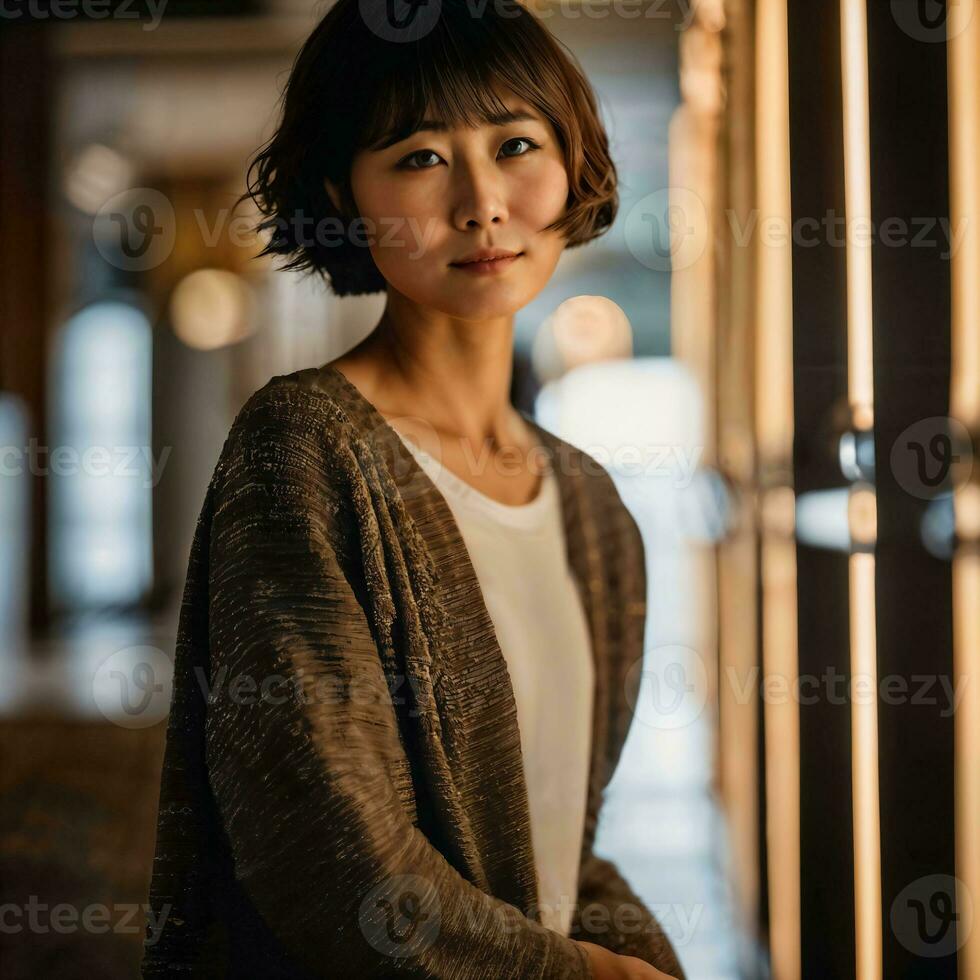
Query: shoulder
{"type": "Point", "coordinates": [292, 401]}
{"type": "Point", "coordinates": [288, 411]}
{"type": "Point", "coordinates": [290, 435]}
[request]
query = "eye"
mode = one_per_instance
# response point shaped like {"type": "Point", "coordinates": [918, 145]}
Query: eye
{"type": "Point", "coordinates": [406, 163]}
{"type": "Point", "coordinates": [524, 139]}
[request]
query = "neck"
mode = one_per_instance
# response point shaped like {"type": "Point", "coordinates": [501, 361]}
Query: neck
{"type": "Point", "coordinates": [456, 374]}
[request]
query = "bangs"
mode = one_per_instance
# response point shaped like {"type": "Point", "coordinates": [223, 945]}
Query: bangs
{"type": "Point", "coordinates": [451, 78]}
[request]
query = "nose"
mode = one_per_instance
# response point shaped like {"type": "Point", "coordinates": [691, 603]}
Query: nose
{"type": "Point", "coordinates": [480, 197]}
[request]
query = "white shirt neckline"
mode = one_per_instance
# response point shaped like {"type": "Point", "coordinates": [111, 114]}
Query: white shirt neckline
{"type": "Point", "coordinates": [527, 516]}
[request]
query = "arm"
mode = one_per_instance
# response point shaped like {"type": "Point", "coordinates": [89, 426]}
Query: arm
{"type": "Point", "coordinates": [307, 785]}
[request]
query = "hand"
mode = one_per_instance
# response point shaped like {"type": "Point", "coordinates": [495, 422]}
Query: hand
{"type": "Point", "coordinates": [607, 965]}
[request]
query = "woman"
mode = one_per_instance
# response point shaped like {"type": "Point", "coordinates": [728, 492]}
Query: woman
{"type": "Point", "coordinates": [403, 677]}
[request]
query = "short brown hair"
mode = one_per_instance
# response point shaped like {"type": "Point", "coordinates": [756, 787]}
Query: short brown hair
{"type": "Point", "coordinates": [360, 81]}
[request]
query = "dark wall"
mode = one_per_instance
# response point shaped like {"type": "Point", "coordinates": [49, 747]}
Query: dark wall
{"type": "Point", "coordinates": [910, 166]}
{"type": "Point", "coordinates": [820, 404]}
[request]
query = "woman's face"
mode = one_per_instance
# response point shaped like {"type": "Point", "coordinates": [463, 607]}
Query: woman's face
{"type": "Point", "coordinates": [434, 198]}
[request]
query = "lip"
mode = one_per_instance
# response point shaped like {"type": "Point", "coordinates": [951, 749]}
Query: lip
{"type": "Point", "coordinates": [484, 253]}
{"type": "Point", "coordinates": [487, 261]}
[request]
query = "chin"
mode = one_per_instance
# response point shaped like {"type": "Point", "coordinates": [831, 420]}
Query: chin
{"type": "Point", "coordinates": [467, 309]}
{"type": "Point", "coordinates": [471, 300]}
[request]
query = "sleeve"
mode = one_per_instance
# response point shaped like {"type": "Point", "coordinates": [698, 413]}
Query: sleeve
{"type": "Point", "coordinates": [304, 757]}
{"type": "Point", "coordinates": [629, 927]}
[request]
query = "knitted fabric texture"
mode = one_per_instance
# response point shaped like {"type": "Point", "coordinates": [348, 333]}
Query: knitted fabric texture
{"type": "Point", "coordinates": [343, 791]}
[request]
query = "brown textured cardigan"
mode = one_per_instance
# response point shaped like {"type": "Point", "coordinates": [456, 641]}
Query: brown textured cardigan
{"type": "Point", "coordinates": [349, 799]}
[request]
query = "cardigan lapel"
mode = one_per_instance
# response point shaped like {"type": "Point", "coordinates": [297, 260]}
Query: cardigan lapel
{"type": "Point", "coordinates": [586, 563]}
{"type": "Point", "coordinates": [466, 731]}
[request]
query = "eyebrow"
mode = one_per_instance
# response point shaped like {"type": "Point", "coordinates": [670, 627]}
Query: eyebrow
{"type": "Point", "coordinates": [439, 126]}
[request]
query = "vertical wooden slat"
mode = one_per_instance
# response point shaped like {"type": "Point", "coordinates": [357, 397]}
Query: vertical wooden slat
{"type": "Point", "coordinates": [857, 191]}
{"type": "Point", "coordinates": [963, 70]}
{"type": "Point", "coordinates": [738, 767]}
{"type": "Point", "coordinates": [693, 161]}
{"type": "Point", "coordinates": [774, 421]}
{"type": "Point", "coordinates": [860, 390]}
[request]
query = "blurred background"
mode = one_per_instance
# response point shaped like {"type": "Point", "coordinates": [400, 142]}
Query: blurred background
{"type": "Point", "coordinates": [784, 320]}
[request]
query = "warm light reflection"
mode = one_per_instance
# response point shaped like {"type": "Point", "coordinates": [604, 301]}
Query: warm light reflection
{"type": "Point", "coordinates": [738, 581]}
{"type": "Point", "coordinates": [862, 516]}
{"type": "Point", "coordinates": [774, 385]}
{"type": "Point", "coordinates": [782, 727]}
{"type": "Point", "coordinates": [862, 505]}
{"type": "Point", "coordinates": [963, 27]}
{"type": "Point", "coordinates": [212, 308]}
{"type": "Point", "coordinates": [864, 769]}
{"type": "Point", "coordinates": [97, 174]}
{"type": "Point", "coordinates": [857, 195]}
{"type": "Point", "coordinates": [963, 32]}
{"type": "Point", "coordinates": [966, 671]}
{"type": "Point", "coordinates": [581, 330]}
{"type": "Point", "coordinates": [774, 428]}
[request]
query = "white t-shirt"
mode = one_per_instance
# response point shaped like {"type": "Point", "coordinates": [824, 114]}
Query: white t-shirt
{"type": "Point", "coordinates": [518, 553]}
